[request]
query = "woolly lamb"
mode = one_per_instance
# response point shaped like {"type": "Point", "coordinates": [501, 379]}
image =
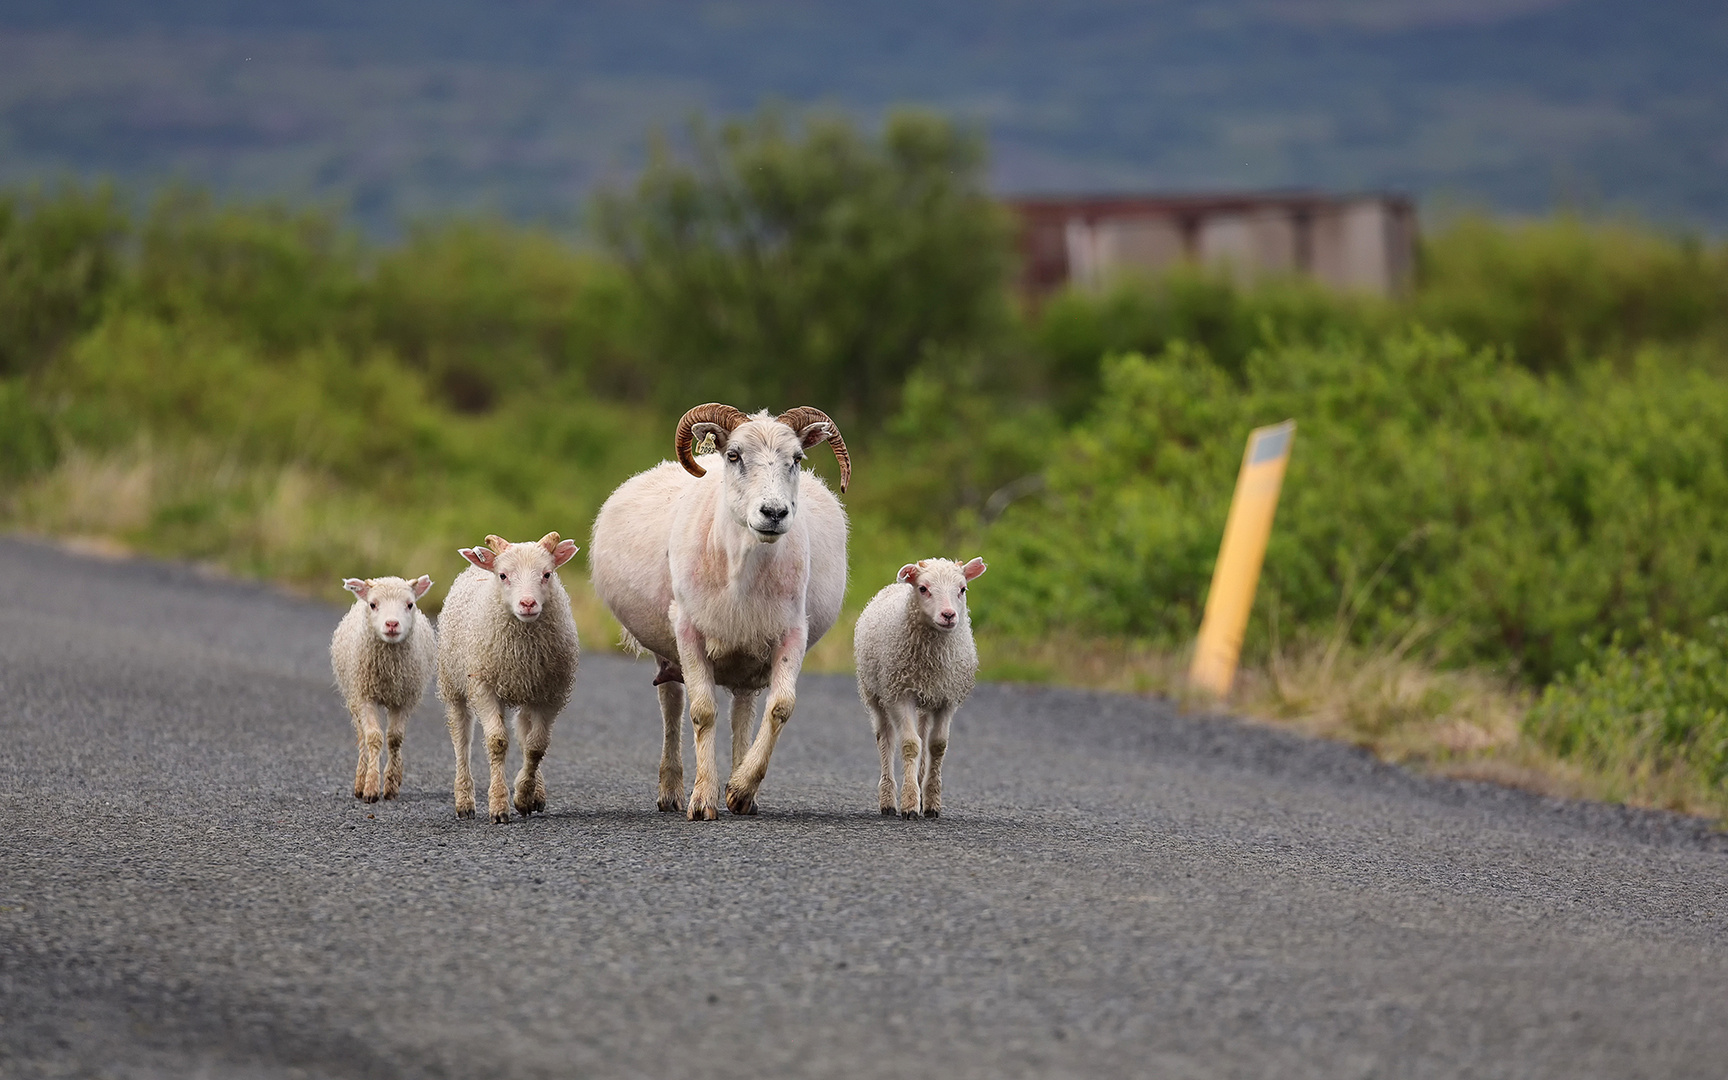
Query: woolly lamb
{"type": "Point", "coordinates": [507, 640]}
{"type": "Point", "coordinates": [727, 569]}
{"type": "Point", "coordinates": [916, 664]}
{"type": "Point", "coordinates": [382, 653]}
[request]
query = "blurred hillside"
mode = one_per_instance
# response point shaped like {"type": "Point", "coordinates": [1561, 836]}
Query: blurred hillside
{"type": "Point", "coordinates": [398, 110]}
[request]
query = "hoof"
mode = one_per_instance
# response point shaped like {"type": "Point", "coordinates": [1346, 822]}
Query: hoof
{"type": "Point", "coordinates": [391, 793]}
{"type": "Point", "coordinates": [669, 804]}
{"type": "Point", "coordinates": [932, 813]}
{"type": "Point", "coordinates": [699, 812]}
{"type": "Point", "coordinates": [501, 817]}
{"type": "Point", "coordinates": [359, 794]}
{"type": "Point", "coordinates": [739, 802]}
{"type": "Point", "coordinates": [464, 813]}
{"type": "Point", "coordinates": [904, 814]}
{"type": "Point", "coordinates": [889, 811]}
{"type": "Point", "coordinates": [372, 798]}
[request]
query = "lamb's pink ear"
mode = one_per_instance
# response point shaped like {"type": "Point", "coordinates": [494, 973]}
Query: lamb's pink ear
{"type": "Point", "coordinates": [481, 557]}
{"type": "Point", "coordinates": [356, 586]}
{"type": "Point", "coordinates": [421, 584]}
{"type": "Point", "coordinates": [563, 552]}
{"type": "Point", "coordinates": [973, 569]}
{"type": "Point", "coordinates": [908, 574]}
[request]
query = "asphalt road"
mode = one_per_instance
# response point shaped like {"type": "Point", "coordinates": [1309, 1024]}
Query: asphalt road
{"type": "Point", "coordinates": [187, 888]}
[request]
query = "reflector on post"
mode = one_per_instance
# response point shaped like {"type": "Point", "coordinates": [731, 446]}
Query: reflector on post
{"type": "Point", "coordinates": [1237, 573]}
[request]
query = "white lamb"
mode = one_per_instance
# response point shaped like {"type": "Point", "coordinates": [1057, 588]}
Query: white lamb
{"type": "Point", "coordinates": [382, 653]}
{"type": "Point", "coordinates": [916, 663]}
{"type": "Point", "coordinates": [507, 640]}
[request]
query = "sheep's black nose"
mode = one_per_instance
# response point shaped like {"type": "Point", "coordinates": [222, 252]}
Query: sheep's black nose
{"type": "Point", "coordinates": [775, 513]}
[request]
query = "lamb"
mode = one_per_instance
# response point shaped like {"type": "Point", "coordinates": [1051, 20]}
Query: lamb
{"type": "Point", "coordinates": [507, 641]}
{"type": "Point", "coordinates": [382, 655]}
{"type": "Point", "coordinates": [916, 663]}
{"type": "Point", "coordinates": [727, 568]}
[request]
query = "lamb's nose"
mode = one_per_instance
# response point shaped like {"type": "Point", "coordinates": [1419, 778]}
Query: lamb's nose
{"type": "Point", "coordinates": [947, 616]}
{"type": "Point", "coordinates": [391, 626]}
{"type": "Point", "coordinates": [775, 513]}
{"type": "Point", "coordinates": [526, 604]}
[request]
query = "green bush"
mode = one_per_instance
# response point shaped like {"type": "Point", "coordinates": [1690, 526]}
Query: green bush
{"type": "Point", "coordinates": [1508, 512]}
{"type": "Point", "coordinates": [811, 264]}
{"type": "Point", "coordinates": [1660, 709]}
{"type": "Point", "coordinates": [59, 258]}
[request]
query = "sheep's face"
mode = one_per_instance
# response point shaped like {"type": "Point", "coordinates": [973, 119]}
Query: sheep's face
{"type": "Point", "coordinates": [522, 573]}
{"type": "Point", "coordinates": [939, 589]}
{"type": "Point", "coordinates": [761, 460]}
{"type": "Point", "coordinates": [391, 601]}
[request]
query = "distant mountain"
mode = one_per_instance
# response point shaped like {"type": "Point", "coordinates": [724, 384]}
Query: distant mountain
{"type": "Point", "coordinates": [404, 108]}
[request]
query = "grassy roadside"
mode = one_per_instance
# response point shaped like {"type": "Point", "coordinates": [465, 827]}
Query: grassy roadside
{"type": "Point", "coordinates": [303, 530]}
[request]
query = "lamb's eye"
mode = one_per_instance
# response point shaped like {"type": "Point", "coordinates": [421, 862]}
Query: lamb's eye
{"type": "Point", "coordinates": [547, 576]}
{"type": "Point", "coordinates": [411, 603]}
{"type": "Point", "coordinates": [962, 590]}
{"type": "Point", "coordinates": [732, 456]}
{"type": "Point", "coordinates": [503, 577]}
{"type": "Point", "coordinates": [924, 590]}
{"type": "Point", "coordinates": [374, 605]}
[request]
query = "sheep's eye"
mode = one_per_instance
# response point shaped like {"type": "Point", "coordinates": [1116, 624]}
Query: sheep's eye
{"type": "Point", "coordinates": [962, 590]}
{"type": "Point", "coordinates": [374, 605]}
{"type": "Point", "coordinates": [547, 576]}
{"type": "Point", "coordinates": [924, 590]}
{"type": "Point", "coordinates": [411, 603]}
{"type": "Point", "coordinates": [732, 456]}
{"type": "Point", "coordinates": [503, 577]}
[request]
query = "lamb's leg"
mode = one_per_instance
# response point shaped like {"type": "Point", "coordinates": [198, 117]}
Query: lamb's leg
{"type": "Point", "coordinates": [782, 696]}
{"type": "Point", "coordinates": [905, 715]}
{"type": "Point", "coordinates": [393, 739]}
{"type": "Point", "coordinates": [491, 715]}
{"type": "Point", "coordinates": [885, 745]}
{"type": "Point", "coordinates": [743, 711]}
{"type": "Point", "coordinates": [461, 727]}
{"type": "Point", "coordinates": [356, 712]}
{"type": "Point", "coordinates": [699, 683]}
{"type": "Point", "coordinates": [536, 731]}
{"type": "Point", "coordinates": [672, 750]}
{"type": "Point", "coordinates": [935, 746]}
{"type": "Point", "coordinates": [372, 745]}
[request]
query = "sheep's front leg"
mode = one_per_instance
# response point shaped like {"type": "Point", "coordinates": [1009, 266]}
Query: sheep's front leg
{"type": "Point", "coordinates": [885, 746]}
{"type": "Point", "coordinates": [393, 739]}
{"type": "Point", "coordinates": [782, 696]}
{"type": "Point", "coordinates": [743, 711]}
{"type": "Point", "coordinates": [935, 747]}
{"type": "Point", "coordinates": [461, 727]}
{"type": "Point", "coordinates": [536, 731]}
{"type": "Point", "coordinates": [905, 716]}
{"type": "Point", "coordinates": [491, 715]}
{"type": "Point", "coordinates": [672, 749]}
{"type": "Point", "coordinates": [699, 683]}
{"type": "Point", "coordinates": [371, 745]}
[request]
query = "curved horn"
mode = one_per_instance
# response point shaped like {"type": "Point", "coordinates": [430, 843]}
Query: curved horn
{"type": "Point", "coordinates": [802, 417]}
{"type": "Point", "coordinates": [712, 413]}
{"type": "Point", "coordinates": [497, 543]}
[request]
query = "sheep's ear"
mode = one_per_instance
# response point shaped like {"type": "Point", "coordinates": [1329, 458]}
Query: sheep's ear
{"type": "Point", "coordinates": [974, 569]}
{"type": "Point", "coordinates": [563, 552]}
{"type": "Point", "coordinates": [908, 574]}
{"type": "Point", "coordinates": [421, 584]}
{"type": "Point", "coordinates": [705, 431]}
{"type": "Point", "coordinates": [815, 433]}
{"type": "Point", "coordinates": [356, 586]}
{"type": "Point", "coordinates": [481, 557]}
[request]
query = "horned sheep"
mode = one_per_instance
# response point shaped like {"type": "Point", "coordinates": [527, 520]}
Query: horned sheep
{"type": "Point", "coordinates": [726, 567]}
{"type": "Point", "coordinates": [507, 640]}
{"type": "Point", "coordinates": [382, 654]}
{"type": "Point", "coordinates": [916, 663]}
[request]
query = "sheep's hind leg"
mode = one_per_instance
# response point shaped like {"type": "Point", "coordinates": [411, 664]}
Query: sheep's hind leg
{"type": "Point", "coordinates": [393, 740]}
{"type": "Point", "coordinates": [743, 711]}
{"type": "Point", "coordinates": [782, 697]}
{"type": "Point", "coordinates": [885, 746]}
{"type": "Point", "coordinates": [461, 727]}
{"type": "Point", "coordinates": [536, 732]}
{"type": "Point", "coordinates": [672, 749]}
{"type": "Point", "coordinates": [935, 748]}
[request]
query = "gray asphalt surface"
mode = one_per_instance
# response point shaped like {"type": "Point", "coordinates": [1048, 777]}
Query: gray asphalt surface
{"type": "Point", "coordinates": [187, 888]}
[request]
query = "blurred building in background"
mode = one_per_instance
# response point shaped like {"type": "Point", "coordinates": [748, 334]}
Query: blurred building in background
{"type": "Point", "coordinates": [1356, 243]}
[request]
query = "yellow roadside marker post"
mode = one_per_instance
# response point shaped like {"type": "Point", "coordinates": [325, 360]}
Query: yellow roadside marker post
{"type": "Point", "coordinates": [1237, 573]}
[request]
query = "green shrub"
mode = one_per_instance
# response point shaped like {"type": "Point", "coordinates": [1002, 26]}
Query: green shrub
{"type": "Point", "coordinates": [59, 258]}
{"type": "Point", "coordinates": [27, 441]}
{"type": "Point", "coordinates": [1659, 709]}
{"type": "Point", "coordinates": [1510, 513]}
{"type": "Point", "coordinates": [812, 264]}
